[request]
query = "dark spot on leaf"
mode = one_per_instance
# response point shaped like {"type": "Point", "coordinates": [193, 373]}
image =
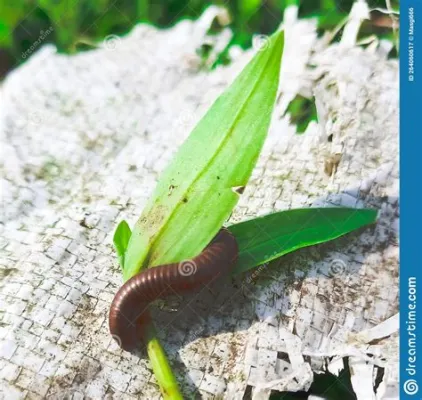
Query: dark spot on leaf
{"type": "Point", "coordinates": [185, 200]}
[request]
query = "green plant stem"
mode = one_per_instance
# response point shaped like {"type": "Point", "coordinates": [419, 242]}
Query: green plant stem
{"type": "Point", "coordinates": [160, 365]}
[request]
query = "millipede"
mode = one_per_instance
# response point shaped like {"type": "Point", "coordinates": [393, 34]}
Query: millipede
{"type": "Point", "coordinates": [129, 309]}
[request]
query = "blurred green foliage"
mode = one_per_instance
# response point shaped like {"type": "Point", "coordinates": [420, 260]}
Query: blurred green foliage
{"type": "Point", "coordinates": [71, 24]}
{"type": "Point", "coordinates": [302, 111]}
{"type": "Point", "coordinates": [76, 25]}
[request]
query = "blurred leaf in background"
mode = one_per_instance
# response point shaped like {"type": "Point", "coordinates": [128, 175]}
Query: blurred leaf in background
{"type": "Point", "coordinates": [302, 111]}
{"type": "Point", "coordinates": [11, 12]}
{"type": "Point", "coordinates": [79, 24]}
{"type": "Point", "coordinates": [65, 16]}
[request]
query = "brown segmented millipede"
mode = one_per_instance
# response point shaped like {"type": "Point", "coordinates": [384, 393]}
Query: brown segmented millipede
{"type": "Point", "coordinates": [128, 311]}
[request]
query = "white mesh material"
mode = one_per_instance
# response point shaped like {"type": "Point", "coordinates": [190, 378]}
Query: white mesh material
{"type": "Point", "coordinates": [84, 139]}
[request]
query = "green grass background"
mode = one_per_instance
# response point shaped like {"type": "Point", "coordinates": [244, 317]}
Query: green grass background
{"type": "Point", "coordinates": [74, 24]}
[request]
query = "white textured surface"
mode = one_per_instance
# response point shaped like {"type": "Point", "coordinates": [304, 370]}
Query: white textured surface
{"type": "Point", "coordinates": [84, 139]}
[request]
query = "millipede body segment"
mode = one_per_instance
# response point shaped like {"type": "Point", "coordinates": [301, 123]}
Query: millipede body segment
{"type": "Point", "coordinates": [128, 311]}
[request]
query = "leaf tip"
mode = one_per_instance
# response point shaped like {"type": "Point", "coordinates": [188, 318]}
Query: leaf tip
{"type": "Point", "coordinates": [372, 214]}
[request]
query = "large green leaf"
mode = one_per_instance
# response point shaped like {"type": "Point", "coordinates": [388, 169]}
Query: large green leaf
{"type": "Point", "coordinates": [265, 238]}
{"type": "Point", "coordinates": [198, 190]}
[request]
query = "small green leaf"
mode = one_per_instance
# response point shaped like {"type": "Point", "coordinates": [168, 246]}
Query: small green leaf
{"type": "Point", "coordinates": [121, 240]}
{"type": "Point", "coordinates": [201, 186]}
{"type": "Point", "coordinates": [265, 238]}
